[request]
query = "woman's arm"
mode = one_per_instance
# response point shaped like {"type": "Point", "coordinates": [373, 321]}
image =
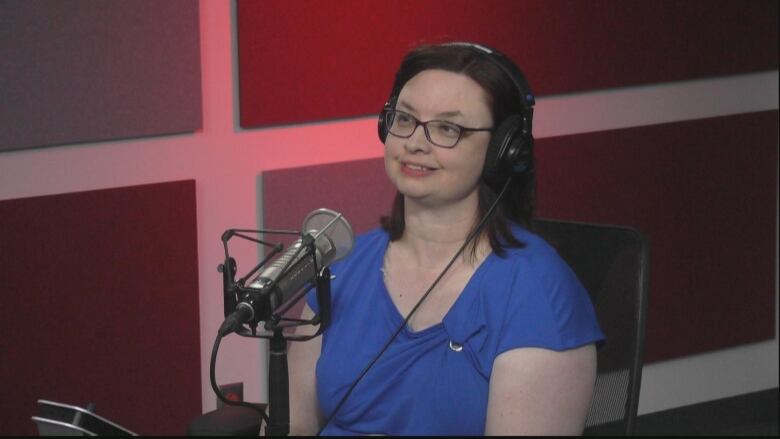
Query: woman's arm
{"type": "Point", "coordinates": [305, 416]}
{"type": "Point", "coordinates": [537, 391]}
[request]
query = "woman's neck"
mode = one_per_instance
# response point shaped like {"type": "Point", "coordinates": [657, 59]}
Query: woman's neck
{"type": "Point", "coordinates": [432, 236]}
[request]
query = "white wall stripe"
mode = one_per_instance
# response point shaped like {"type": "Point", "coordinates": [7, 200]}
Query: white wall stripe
{"type": "Point", "coordinates": [654, 104]}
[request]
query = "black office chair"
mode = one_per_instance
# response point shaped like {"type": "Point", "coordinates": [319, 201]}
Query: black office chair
{"type": "Point", "coordinates": [612, 262]}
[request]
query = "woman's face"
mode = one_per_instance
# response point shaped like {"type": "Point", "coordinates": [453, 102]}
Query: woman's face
{"type": "Point", "coordinates": [427, 173]}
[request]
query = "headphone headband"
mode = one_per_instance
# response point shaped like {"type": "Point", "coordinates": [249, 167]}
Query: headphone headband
{"type": "Point", "coordinates": [502, 62]}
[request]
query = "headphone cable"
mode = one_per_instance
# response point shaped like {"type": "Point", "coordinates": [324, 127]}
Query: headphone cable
{"type": "Point", "coordinates": [400, 328]}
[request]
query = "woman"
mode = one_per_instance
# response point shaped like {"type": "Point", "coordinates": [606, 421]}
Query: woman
{"type": "Point", "coordinates": [504, 343]}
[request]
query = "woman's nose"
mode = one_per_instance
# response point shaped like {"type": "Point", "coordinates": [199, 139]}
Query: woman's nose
{"type": "Point", "coordinates": [418, 141]}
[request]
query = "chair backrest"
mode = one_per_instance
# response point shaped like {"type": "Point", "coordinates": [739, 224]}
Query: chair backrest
{"type": "Point", "coordinates": [612, 263]}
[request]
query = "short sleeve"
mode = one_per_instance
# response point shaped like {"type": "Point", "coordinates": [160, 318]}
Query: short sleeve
{"type": "Point", "coordinates": [547, 307]}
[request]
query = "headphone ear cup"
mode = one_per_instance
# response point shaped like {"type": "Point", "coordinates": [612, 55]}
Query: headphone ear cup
{"type": "Point", "coordinates": [504, 143]}
{"type": "Point", "coordinates": [381, 128]}
{"type": "Point", "coordinates": [381, 125]}
{"type": "Point", "coordinates": [520, 155]}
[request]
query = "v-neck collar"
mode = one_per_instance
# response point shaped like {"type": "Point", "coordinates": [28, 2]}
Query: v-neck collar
{"type": "Point", "coordinates": [394, 315]}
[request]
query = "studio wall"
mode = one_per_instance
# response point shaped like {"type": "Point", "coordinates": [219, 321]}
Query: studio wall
{"type": "Point", "coordinates": [205, 160]}
{"type": "Point", "coordinates": [86, 71]}
{"type": "Point", "coordinates": [100, 305]}
{"type": "Point", "coordinates": [100, 287]}
{"type": "Point", "coordinates": [325, 60]}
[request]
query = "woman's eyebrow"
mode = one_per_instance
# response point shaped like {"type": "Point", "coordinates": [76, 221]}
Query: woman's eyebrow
{"type": "Point", "coordinates": [409, 107]}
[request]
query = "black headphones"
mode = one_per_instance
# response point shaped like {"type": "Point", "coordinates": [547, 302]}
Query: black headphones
{"type": "Point", "coordinates": [510, 151]}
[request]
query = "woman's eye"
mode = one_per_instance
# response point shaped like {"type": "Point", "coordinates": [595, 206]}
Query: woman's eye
{"type": "Point", "coordinates": [403, 119]}
{"type": "Point", "coordinates": [448, 130]}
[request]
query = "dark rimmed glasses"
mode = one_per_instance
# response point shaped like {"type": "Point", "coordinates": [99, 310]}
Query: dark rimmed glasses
{"type": "Point", "coordinates": [439, 132]}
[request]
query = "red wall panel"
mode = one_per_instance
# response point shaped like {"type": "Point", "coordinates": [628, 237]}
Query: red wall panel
{"type": "Point", "coordinates": [359, 190]}
{"type": "Point", "coordinates": [320, 59]}
{"type": "Point", "coordinates": [86, 70]}
{"type": "Point", "coordinates": [100, 304]}
{"type": "Point", "coordinates": [703, 191]}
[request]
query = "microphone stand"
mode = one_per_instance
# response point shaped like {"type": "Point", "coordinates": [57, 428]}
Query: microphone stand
{"type": "Point", "coordinates": [278, 419]}
{"type": "Point", "coordinates": [278, 387]}
{"type": "Point", "coordinates": [278, 373]}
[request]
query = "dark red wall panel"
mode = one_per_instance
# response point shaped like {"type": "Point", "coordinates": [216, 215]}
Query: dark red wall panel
{"type": "Point", "coordinates": [321, 59]}
{"type": "Point", "coordinates": [703, 191]}
{"type": "Point", "coordinates": [89, 70]}
{"type": "Point", "coordinates": [100, 304]}
{"type": "Point", "coordinates": [359, 190]}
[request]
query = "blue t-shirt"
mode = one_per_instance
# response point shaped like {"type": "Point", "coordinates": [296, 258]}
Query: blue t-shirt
{"type": "Point", "coordinates": [435, 381]}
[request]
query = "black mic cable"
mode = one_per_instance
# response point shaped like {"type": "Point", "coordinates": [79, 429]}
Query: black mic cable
{"type": "Point", "coordinates": [259, 408]}
{"type": "Point", "coordinates": [470, 238]}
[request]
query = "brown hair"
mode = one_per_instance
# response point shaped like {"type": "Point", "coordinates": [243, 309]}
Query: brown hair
{"type": "Point", "coordinates": [517, 205]}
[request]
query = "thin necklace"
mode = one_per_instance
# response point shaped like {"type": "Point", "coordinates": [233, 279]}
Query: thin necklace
{"type": "Point", "coordinates": [384, 268]}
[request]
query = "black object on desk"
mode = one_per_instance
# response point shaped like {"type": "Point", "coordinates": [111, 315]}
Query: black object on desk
{"type": "Point", "coordinates": [57, 419]}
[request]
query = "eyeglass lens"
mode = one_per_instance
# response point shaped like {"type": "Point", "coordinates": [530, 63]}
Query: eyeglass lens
{"type": "Point", "coordinates": [439, 132]}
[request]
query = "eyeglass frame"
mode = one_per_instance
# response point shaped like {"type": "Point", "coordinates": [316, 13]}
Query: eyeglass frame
{"type": "Point", "coordinates": [418, 122]}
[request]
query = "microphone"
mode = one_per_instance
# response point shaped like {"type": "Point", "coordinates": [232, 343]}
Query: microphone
{"type": "Point", "coordinates": [325, 233]}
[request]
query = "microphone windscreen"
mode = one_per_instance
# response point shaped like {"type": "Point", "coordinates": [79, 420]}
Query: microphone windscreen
{"type": "Point", "coordinates": [334, 226]}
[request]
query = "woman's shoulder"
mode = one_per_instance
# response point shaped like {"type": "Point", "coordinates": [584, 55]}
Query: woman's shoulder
{"type": "Point", "coordinates": [537, 264]}
{"type": "Point", "coordinates": [371, 240]}
{"type": "Point", "coordinates": [536, 253]}
{"type": "Point", "coordinates": [541, 288]}
{"type": "Point", "coordinates": [365, 244]}
{"type": "Point", "coordinates": [351, 271]}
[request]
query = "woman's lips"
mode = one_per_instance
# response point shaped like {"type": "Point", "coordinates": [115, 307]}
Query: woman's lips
{"type": "Point", "coordinates": [415, 170]}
